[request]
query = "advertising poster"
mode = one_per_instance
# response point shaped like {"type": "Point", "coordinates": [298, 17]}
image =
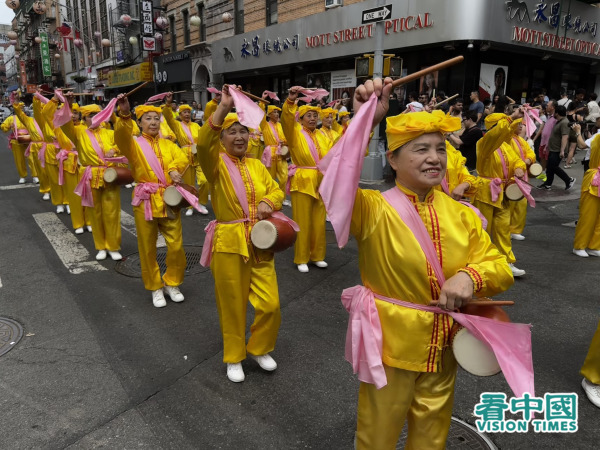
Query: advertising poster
{"type": "Point", "coordinates": [343, 83]}
{"type": "Point", "coordinates": [492, 81]}
{"type": "Point", "coordinates": [429, 83]}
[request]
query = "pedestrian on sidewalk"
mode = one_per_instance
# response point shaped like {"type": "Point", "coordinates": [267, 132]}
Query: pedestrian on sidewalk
{"type": "Point", "coordinates": [557, 146]}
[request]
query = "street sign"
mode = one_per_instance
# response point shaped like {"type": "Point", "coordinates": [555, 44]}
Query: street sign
{"type": "Point", "coordinates": [376, 14]}
{"type": "Point", "coordinates": [45, 52]}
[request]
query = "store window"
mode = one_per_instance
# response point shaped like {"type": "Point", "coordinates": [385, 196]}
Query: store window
{"type": "Point", "coordinates": [202, 14]}
{"type": "Point", "coordinates": [172, 33]}
{"type": "Point", "coordinates": [186, 27]}
{"type": "Point", "coordinates": [271, 12]}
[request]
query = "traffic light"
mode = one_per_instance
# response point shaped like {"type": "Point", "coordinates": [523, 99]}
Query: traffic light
{"type": "Point", "coordinates": [392, 66]}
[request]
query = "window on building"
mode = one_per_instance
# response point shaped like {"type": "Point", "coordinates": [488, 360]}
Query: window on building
{"type": "Point", "coordinates": [173, 33]}
{"type": "Point", "coordinates": [185, 16]}
{"type": "Point", "coordinates": [238, 12]}
{"type": "Point", "coordinates": [202, 14]}
{"type": "Point", "coordinates": [271, 12]}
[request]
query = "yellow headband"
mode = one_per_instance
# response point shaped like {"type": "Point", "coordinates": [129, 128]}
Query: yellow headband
{"type": "Point", "coordinates": [230, 119]}
{"type": "Point", "coordinates": [143, 109]}
{"type": "Point", "coordinates": [306, 108]}
{"type": "Point", "coordinates": [184, 108]}
{"type": "Point", "coordinates": [89, 109]}
{"type": "Point", "coordinates": [272, 108]}
{"type": "Point", "coordinates": [342, 114]}
{"type": "Point", "coordinates": [403, 128]}
{"type": "Point", "coordinates": [327, 112]}
{"type": "Point", "coordinates": [493, 119]}
{"type": "Point", "coordinates": [75, 107]}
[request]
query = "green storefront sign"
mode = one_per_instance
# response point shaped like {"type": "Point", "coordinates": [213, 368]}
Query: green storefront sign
{"type": "Point", "coordinates": [45, 51]}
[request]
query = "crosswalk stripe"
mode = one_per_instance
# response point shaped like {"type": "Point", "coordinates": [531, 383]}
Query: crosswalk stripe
{"type": "Point", "coordinates": [17, 186]}
{"type": "Point", "coordinates": [73, 255]}
{"type": "Point", "coordinates": [128, 224]}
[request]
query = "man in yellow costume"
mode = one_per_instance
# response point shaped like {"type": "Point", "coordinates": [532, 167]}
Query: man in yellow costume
{"type": "Point", "coordinates": [307, 147]}
{"type": "Point", "coordinates": [155, 164]}
{"type": "Point", "coordinates": [591, 370]}
{"type": "Point", "coordinates": [242, 192]}
{"type": "Point", "coordinates": [399, 276]}
{"type": "Point", "coordinates": [186, 132]}
{"type": "Point", "coordinates": [96, 152]}
{"type": "Point", "coordinates": [274, 140]}
{"type": "Point", "coordinates": [15, 128]}
{"type": "Point", "coordinates": [36, 144]}
{"type": "Point", "coordinates": [497, 164]}
{"type": "Point", "coordinates": [518, 209]}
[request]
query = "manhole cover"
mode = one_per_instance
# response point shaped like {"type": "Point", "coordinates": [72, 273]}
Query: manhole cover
{"type": "Point", "coordinates": [10, 333]}
{"type": "Point", "coordinates": [130, 265]}
{"type": "Point", "coordinates": [461, 436]}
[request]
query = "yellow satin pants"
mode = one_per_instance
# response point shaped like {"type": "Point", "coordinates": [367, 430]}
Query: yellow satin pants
{"type": "Point", "coordinates": [80, 216]}
{"type": "Point", "coordinates": [279, 171]}
{"type": "Point", "coordinates": [18, 152]}
{"type": "Point", "coordinates": [587, 232]}
{"type": "Point", "coordinates": [423, 399]}
{"type": "Point", "coordinates": [518, 216]}
{"type": "Point", "coordinates": [31, 162]}
{"type": "Point", "coordinates": [147, 232]}
{"type": "Point", "coordinates": [309, 213]}
{"type": "Point", "coordinates": [236, 282]}
{"type": "Point", "coordinates": [106, 218]}
{"type": "Point", "coordinates": [40, 173]}
{"type": "Point", "coordinates": [498, 226]}
{"type": "Point", "coordinates": [591, 366]}
{"type": "Point", "coordinates": [57, 192]}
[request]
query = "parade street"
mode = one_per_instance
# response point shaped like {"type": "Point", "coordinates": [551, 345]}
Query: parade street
{"type": "Point", "coordinates": [99, 366]}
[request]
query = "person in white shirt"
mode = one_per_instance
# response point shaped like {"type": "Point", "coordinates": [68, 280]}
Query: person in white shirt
{"type": "Point", "coordinates": [593, 109]}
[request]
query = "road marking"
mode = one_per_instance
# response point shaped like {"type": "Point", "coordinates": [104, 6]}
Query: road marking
{"type": "Point", "coordinates": [73, 255]}
{"type": "Point", "coordinates": [128, 224]}
{"type": "Point", "coordinates": [0, 282]}
{"type": "Point", "coordinates": [17, 186]}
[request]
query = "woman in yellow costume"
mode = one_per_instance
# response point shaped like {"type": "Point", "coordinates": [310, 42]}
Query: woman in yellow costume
{"type": "Point", "coordinates": [97, 151]}
{"type": "Point", "coordinates": [14, 126]}
{"type": "Point", "coordinates": [397, 272]}
{"type": "Point", "coordinates": [458, 182]}
{"type": "Point", "coordinates": [155, 164]}
{"type": "Point", "coordinates": [497, 164]}
{"type": "Point", "coordinates": [186, 132]}
{"type": "Point", "coordinates": [274, 139]}
{"type": "Point", "coordinates": [242, 193]}
{"type": "Point", "coordinates": [36, 144]}
{"type": "Point", "coordinates": [327, 119]}
{"type": "Point", "coordinates": [591, 371]}
{"type": "Point", "coordinates": [307, 147]}
{"type": "Point", "coordinates": [212, 104]}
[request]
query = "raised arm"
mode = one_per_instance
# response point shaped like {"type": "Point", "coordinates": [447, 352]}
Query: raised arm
{"type": "Point", "coordinates": [123, 134]}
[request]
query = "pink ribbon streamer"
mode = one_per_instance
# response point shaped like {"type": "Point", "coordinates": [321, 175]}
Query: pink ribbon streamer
{"type": "Point", "coordinates": [526, 190]}
{"type": "Point", "coordinates": [143, 193]}
{"type": "Point", "coordinates": [272, 95]}
{"type": "Point", "coordinates": [213, 90]}
{"type": "Point", "coordinates": [84, 189]}
{"type": "Point", "coordinates": [313, 94]}
{"type": "Point", "coordinates": [105, 114]}
{"type": "Point", "coordinates": [41, 98]}
{"type": "Point", "coordinates": [157, 97]}
{"type": "Point", "coordinates": [249, 113]}
{"type": "Point", "coordinates": [341, 168]}
{"type": "Point", "coordinates": [64, 114]}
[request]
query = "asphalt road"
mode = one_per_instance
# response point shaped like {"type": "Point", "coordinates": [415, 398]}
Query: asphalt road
{"type": "Point", "coordinates": [100, 367]}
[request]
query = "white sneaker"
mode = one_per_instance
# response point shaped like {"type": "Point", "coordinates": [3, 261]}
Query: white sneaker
{"type": "Point", "coordinates": [266, 362]}
{"type": "Point", "coordinates": [158, 298]}
{"type": "Point", "coordinates": [116, 256]}
{"type": "Point", "coordinates": [517, 237]}
{"type": "Point", "coordinates": [60, 209]}
{"type": "Point", "coordinates": [189, 212]}
{"type": "Point", "coordinates": [101, 255]}
{"type": "Point", "coordinates": [21, 180]}
{"type": "Point", "coordinates": [68, 209]}
{"type": "Point", "coordinates": [174, 293]}
{"type": "Point", "coordinates": [593, 252]}
{"type": "Point", "coordinates": [129, 186]}
{"type": "Point", "coordinates": [46, 196]}
{"type": "Point", "coordinates": [580, 252]}
{"type": "Point", "coordinates": [287, 203]}
{"type": "Point", "coordinates": [235, 372]}
{"type": "Point", "coordinates": [592, 391]}
{"type": "Point", "coordinates": [303, 268]}
{"type": "Point", "coordinates": [516, 271]}
{"type": "Point", "coordinates": [202, 209]}
{"type": "Point", "coordinates": [36, 180]}
{"type": "Point", "coordinates": [321, 264]}
{"type": "Point", "coordinates": [79, 230]}
{"type": "Point", "coordinates": [89, 228]}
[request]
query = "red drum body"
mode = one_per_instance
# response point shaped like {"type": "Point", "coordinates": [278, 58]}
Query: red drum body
{"type": "Point", "coordinates": [273, 234]}
{"type": "Point", "coordinates": [513, 192]}
{"type": "Point", "coordinates": [118, 175]}
{"type": "Point", "coordinates": [174, 199]}
{"type": "Point", "coordinates": [473, 355]}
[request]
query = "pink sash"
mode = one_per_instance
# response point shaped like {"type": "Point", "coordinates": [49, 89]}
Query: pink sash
{"type": "Point", "coordinates": [524, 187]}
{"type": "Point", "coordinates": [292, 171]}
{"type": "Point", "coordinates": [100, 152]}
{"type": "Point", "coordinates": [266, 156]}
{"type": "Point", "coordinates": [61, 157]}
{"type": "Point", "coordinates": [84, 188]}
{"type": "Point", "coordinates": [596, 180]}
{"type": "Point", "coordinates": [511, 342]}
{"type": "Point", "coordinates": [311, 146]}
{"type": "Point", "coordinates": [188, 133]}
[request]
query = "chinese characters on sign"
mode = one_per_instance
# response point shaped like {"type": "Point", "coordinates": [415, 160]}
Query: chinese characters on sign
{"type": "Point", "coordinates": [552, 14]}
{"type": "Point", "coordinates": [278, 45]}
{"type": "Point", "coordinates": [148, 41]}
{"type": "Point", "coordinates": [45, 52]}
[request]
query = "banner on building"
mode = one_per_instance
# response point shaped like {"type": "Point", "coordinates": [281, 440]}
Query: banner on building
{"type": "Point", "coordinates": [45, 52]}
{"type": "Point", "coordinates": [492, 81]}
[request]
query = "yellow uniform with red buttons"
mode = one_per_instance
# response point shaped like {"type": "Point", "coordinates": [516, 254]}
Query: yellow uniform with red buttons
{"type": "Point", "coordinates": [37, 140]}
{"type": "Point", "coordinates": [307, 206]}
{"type": "Point", "coordinates": [171, 158]}
{"type": "Point", "coordinates": [242, 273]}
{"type": "Point", "coordinates": [106, 213]}
{"type": "Point", "coordinates": [18, 148]}
{"type": "Point", "coordinates": [587, 232]}
{"type": "Point", "coordinates": [194, 171]}
{"type": "Point", "coordinates": [419, 364]}
{"type": "Point", "coordinates": [279, 165]}
{"type": "Point", "coordinates": [518, 210]}
{"type": "Point", "coordinates": [489, 165]}
{"type": "Point", "coordinates": [591, 365]}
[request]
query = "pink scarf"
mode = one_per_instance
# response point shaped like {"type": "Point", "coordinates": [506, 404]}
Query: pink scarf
{"type": "Point", "coordinates": [249, 113]}
{"type": "Point", "coordinates": [266, 156]}
{"type": "Point", "coordinates": [105, 114]}
{"type": "Point", "coordinates": [272, 95]}
{"type": "Point", "coordinates": [596, 180]}
{"type": "Point", "coordinates": [62, 115]}
{"type": "Point", "coordinates": [524, 187]}
{"type": "Point", "coordinates": [61, 157]}
{"type": "Point", "coordinates": [511, 342]}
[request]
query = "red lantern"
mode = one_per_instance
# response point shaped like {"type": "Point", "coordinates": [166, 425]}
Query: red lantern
{"type": "Point", "coordinates": [126, 19]}
{"type": "Point", "coordinates": [78, 43]}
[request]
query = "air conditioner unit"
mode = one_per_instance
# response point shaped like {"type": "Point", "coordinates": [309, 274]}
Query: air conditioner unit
{"type": "Point", "coordinates": [333, 3]}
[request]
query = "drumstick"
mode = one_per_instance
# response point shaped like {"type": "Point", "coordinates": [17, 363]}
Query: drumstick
{"type": "Point", "coordinates": [137, 88]}
{"type": "Point", "coordinates": [254, 97]}
{"type": "Point", "coordinates": [445, 100]}
{"type": "Point", "coordinates": [178, 92]}
{"type": "Point", "coordinates": [82, 93]}
{"type": "Point", "coordinates": [482, 303]}
{"type": "Point", "coordinates": [422, 73]}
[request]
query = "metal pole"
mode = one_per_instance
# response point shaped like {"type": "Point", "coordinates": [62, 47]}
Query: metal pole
{"type": "Point", "coordinates": [372, 170]}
